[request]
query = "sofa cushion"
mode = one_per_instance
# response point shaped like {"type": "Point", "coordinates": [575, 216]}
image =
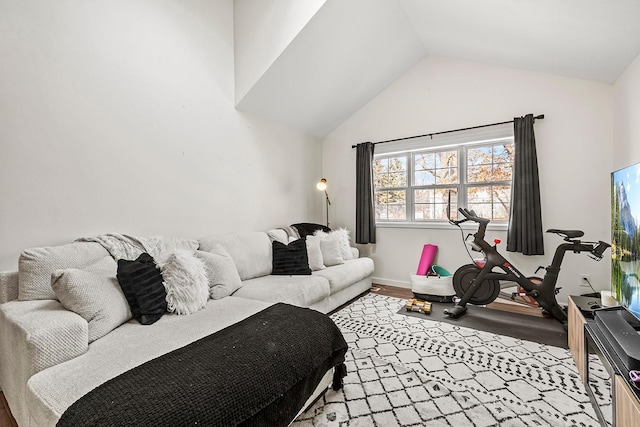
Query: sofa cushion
{"type": "Point", "coordinates": [331, 252]}
{"type": "Point", "coordinates": [221, 272]}
{"type": "Point", "coordinates": [185, 281]}
{"type": "Point", "coordinates": [94, 294]}
{"type": "Point", "coordinates": [314, 253]}
{"type": "Point", "coordinates": [290, 259]}
{"type": "Point", "coordinates": [341, 236]}
{"type": "Point", "coordinates": [278, 234]}
{"type": "Point", "coordinates": [141, 283]}
{"type": "Point", "coordinates": [250, 251]}
{"type": "Point", "coordinates": [341, 276]}
{"type": "Point", "coordinates": [302, 291]}
{"type": "Point", "coordinates": [35, 266]}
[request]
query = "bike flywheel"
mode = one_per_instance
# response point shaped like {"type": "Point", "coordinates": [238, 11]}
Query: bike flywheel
{"type": "Point", "coordinates": [485, 293]}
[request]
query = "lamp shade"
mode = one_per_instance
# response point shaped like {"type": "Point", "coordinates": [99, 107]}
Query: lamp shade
{"type": "Point", "coordinates": [322, 185]}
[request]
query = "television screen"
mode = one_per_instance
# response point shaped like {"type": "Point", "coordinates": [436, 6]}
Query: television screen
{"type": "Point", "coordinates": [625, 237]}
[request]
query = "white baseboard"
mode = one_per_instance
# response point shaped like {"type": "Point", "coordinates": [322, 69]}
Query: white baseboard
{"type": "Point", "coordinates": [389, 282]}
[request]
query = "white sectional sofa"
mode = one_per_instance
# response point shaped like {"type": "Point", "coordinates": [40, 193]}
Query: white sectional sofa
{"type": "Point", "coordinates": [47, 361]}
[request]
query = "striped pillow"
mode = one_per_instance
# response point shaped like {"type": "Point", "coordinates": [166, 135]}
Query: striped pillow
{"type": "Point", "coordinates": [290, 259]}
{"type": "Point", "coordinates": [141, 283]}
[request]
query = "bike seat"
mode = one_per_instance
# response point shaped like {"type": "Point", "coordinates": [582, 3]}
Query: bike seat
{"type": "Point", "coordinates": [569, 234]}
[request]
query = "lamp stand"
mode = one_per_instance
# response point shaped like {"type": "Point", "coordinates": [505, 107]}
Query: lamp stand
{"type": "Point", "coordinates": [328, 203]}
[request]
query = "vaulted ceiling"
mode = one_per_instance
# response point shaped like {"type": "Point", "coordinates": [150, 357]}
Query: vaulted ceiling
{"type": "Point", "coordinates": [313, 64]}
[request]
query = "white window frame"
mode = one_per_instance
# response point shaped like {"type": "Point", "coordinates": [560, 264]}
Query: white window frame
{"type": "Point", "coordinates": [461, 144]}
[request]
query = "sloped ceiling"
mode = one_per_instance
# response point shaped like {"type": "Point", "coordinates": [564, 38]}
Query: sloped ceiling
{"type": "Point", "coordinates": [350, 50]}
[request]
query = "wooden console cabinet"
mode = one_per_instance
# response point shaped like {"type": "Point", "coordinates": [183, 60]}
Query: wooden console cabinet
{"type": "Point", "coordinates": [627, 405]}
{"type": "Point", "coordinates": [576, 337]}
{"type": "Point", "coordinates": [626, 402]}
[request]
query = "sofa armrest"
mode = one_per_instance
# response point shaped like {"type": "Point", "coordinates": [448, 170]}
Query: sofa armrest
{"type": "Point", "coordinates": [355, 252]}
{"type": "Point", "coordinates": [35, 335]}
{"type": "Point", "coordinates": [8, 286]}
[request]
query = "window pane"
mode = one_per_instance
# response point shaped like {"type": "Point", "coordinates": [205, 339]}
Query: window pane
{"type": "Point", "coordinates": [479, 173]}
{"type": "Point", "coordinates": [501, 202]}
{"type": "Point", "coordinates": [444, 197]}
{"type": "Point", "coordinates": [447, 176]}
{"type": "Point", "coordinates": [397, 212]}
{"type": "Point", "coordinates": [479, 195]}
{"type": "Point", "coordinates": [503, 153]}
{"type": "Point", "coordinates": [424, 161]}
{"type": "Point", "coordinates": [479, 156]}
{"type": "Point", "coordinates": [483, 210]}
{"type": "Point", "coordinates": [446, 159]}
{"type": "Point", "coordinates": [492, 202]}
{"type": "Point", "coordinates": [501, 212]}
{"type": "Point", "coordinates": [390, 172]}
{"type": "Point", "coordinates": [424, 178]}
{"type": "Point", "coordinates": [397, 197]}
{"type": "Point", "coordinates": [432, 204]}
{"type": "Point", "coordinates": [397, 164]}
{"type": "Point", "coordinates": [423, 196]}
{"type": "Point", "coordinates": [423, 212]}
{"type": "Point", "coordinates": [502, 172]}
{"type": "Point", "coordinates": [397, 179]}
{"type": "Point", "coordinates": [380, 165]}
{"type": "Point", "coordinates": [381, 197]}
{"type": "Point", "coordinates": [391, 205]}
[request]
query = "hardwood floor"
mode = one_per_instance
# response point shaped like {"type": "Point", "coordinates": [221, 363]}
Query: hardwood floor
{"type": "Point", "coordinates": [498, 304]}
{"type": "Point", "coordinates": [6, 420]}
{"type": "Point", "coordinates": [391, 291]}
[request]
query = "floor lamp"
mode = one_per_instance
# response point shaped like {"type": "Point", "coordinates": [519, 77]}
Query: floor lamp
{"type": "Point", "coordinates": [322, 186]}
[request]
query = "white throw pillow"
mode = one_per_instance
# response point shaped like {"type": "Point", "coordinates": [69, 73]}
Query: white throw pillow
{"type": "Point", "coordinates": [221, 271]}
{"type": "Point", "coordinates": [314, 253]}
{"type": "Point", "coordinates": [330, 248]}
{"type": "Point", "coordinates": [185, 281]}
{"type": "Point", "coordinates": [278, 235]}
{"type": "Point", "coordinates": [345, 242]}
{"type": "Point", "coordinates": [94, 294]}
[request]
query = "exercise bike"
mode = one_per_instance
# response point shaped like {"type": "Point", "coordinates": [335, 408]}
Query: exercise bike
{"type": "Point", "coordinates": [479, 284]}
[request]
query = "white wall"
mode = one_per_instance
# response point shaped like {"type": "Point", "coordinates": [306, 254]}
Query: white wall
{"type": "Point", "coordinates": [626, 117]}
{"type": "Point", "coordinates": [262, 30]}
{"type": "Point", "coordinates": [574, 153]}
{"type": "Point", "coordinates": [118, 117]}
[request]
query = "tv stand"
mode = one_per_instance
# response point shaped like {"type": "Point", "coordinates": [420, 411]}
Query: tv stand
{"type": "Point", "coordinates": [586, 337]}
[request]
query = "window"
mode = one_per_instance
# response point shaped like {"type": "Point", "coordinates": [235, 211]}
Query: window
{"type": "Point", "coordinates": [415, 185]}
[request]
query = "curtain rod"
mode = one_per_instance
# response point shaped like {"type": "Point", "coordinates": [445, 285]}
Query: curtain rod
{"type": "Point", "coordinates": [541, 116]}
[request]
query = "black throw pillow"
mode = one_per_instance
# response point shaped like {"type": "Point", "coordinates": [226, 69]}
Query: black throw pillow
{"type": "Point", "coordinates": [141, 283]}
{"type": "Point", "coordinates": [308, 228]}
{"type": "Point", "coordinates": [290, 259]}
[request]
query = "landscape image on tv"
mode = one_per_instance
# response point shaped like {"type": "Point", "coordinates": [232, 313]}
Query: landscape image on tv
{"type": "Point", "coordinates": [625, 236]}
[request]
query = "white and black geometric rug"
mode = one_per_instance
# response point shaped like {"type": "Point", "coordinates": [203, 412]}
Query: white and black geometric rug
{"type": "Point", "coordinates": [406, 371]}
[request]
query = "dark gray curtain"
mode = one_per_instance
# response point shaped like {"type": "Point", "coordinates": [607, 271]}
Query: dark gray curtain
{"type": "Point", "coordinates": [365, 210]}
{"type": "Point", "coordinates": [525, 222]}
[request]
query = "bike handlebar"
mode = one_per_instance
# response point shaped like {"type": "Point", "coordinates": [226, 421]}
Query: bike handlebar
{"type": "Point", "coordinates": [469, 215]}
{"type": "Point", "coordinates": [598, 251]}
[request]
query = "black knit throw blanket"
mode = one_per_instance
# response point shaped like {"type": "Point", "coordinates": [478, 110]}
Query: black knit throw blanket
{"type": "Point", "coordinates": [257, 372]}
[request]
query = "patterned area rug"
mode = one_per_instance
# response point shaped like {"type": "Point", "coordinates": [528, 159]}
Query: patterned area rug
{"type": "Point", "coordinates": [406, 371]}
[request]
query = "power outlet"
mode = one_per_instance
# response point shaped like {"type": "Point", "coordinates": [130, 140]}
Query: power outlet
{"type": "Point", "coordinates": [585, 280]}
